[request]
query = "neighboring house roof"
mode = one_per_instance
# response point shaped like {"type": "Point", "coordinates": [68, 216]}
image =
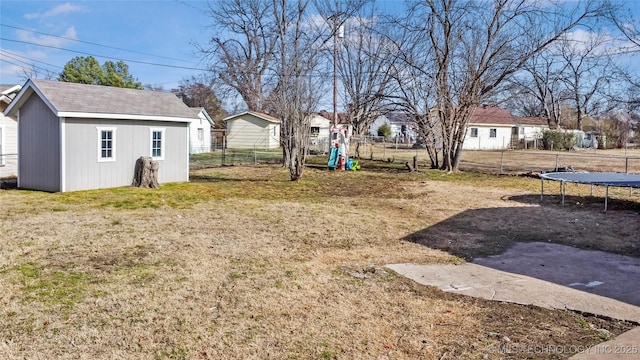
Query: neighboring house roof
{"type": "Point", "coordinates": [200, 110]}
{"type": "Point", "coordinates": [260, 115]}
{"type": "Point", "coordinates": [342, 117]}
{"type": "Point", "coordinates": [94, 101]}
{"type": "Point", "coordinates": [491, 115]}
{"type": "Point", "coordinates": [8, 92]}
{"type": "Point", "coordinates": [401, 118]}
{"type": "Point", "coordinates": [531, 121]}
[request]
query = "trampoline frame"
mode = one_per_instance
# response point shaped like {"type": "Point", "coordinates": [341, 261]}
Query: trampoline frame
{"type": "Point", "coordinates": [605, 179]}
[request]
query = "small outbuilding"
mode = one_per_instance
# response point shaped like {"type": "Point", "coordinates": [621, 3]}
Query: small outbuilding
{"type": "Point", "coordinates": [200, 131]}
{"type": "Point", "coordinates": [78, 137]}
{"type": "Point", "coordinates": [8, 134]}
{"type": "Point", "coordinates": [251, 129]}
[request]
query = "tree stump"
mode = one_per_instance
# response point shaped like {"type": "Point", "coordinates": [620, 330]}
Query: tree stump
{"type": "Point", "coordinates": [145, 174]}
{"type": "Point", "coordinates": [412, 167]}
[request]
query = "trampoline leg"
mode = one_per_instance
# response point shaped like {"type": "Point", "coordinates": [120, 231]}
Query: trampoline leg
{"type": "Point", "coordinates": [563, 189]}
{"type": "Point", "coordinates": [606, 198]}
{"type": "Point", "coordinates": [541, 188]}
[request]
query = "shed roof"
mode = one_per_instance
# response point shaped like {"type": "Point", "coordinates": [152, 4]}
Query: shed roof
{"type": "Point", "coordinates": [94, 101]}
{"type": "Point", "coordinates": [260, 115]}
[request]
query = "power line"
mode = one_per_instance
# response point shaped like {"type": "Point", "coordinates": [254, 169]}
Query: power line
{"type": "Point", "coordinates": [31, 66]}
{"type": "Point", "coordinates": [9, 53]}
{"type": "Point", "coordinates": [105, 56]}
{"type": "Point", "coordinates": [93, 43]}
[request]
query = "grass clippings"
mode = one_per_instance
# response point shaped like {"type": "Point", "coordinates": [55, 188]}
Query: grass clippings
{"type": "Point", "coordinates": [242, 263]}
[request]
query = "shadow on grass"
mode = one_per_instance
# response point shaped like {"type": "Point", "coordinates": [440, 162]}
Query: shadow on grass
{"type": "Point", "coordinates": [586, 250]}
{"type": "Point", "coordinates": [491, 231]}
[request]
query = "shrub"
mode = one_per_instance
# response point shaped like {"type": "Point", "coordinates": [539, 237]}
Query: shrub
{"type": "Point", "coordinates": [384, 130]}
{"type": "Point", "coordinates": [556, 140]}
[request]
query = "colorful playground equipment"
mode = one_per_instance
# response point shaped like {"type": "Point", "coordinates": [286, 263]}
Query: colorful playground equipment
{"type": "Point", "coordinates": [339, 152]}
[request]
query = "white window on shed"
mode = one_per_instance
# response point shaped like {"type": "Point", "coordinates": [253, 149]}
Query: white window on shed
{"type": "Point", "coordinates": [474, 132]}
{"type": "Point", "coordinates": [157, 144]}
{"type": "Point", "coordinates": [106, 144]}
{"type": "Point", "coordinates": [201, 134]}
{"type": "Point", "coordinates": [493, 133]}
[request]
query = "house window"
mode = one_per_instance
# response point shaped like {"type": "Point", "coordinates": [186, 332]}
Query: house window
{"type": "Point", "coordinates": [200, 134]}
{"type": "Point", "coordinates": [474, 132]}
{"type": "Point", "coordinates": [157, 144]}
{"type": "Point", "coordinates": [493, 133]}
{"type": "Point", "coordinates": [106, 144]}
{"type": "Point", "coordinates": [315, 130]}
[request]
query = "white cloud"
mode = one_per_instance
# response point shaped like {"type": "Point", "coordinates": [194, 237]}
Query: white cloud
{"type": "Point", "coordinates": [46, 40]}
{"type": "Point", "coordinates": [58, 10]}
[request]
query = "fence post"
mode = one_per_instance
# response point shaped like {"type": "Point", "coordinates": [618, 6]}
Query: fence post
{"type": "Point", "coordinates": [556, 163]}
{"type": "Point", "coordinates": [626, 165]}
{"type": "Point", "coordinates": [224, 149]}
{"type": "Point", "coordinates": [501, 161]}
{"type": "Point", "coordinates": [384, 149]}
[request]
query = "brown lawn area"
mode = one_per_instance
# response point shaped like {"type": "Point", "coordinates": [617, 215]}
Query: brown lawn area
{"type": "Point", "coordinates": [242, 263]}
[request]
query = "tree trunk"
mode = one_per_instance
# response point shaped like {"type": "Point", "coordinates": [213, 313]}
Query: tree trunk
{"type": "Point", "coordinates": [145, 174]}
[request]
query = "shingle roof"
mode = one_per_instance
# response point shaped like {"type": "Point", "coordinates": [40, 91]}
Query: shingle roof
{"type": "Point", "coordinates": [81, 98]}
{"type": "Point", "coordinates": [491, 115]}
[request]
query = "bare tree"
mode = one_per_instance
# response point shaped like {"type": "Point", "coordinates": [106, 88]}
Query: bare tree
{"type": "Point", "coordinates": [196, 93]}
{"type": "Point", "coordinates": [585, 74]}
{"type": "Point", "coordinates": [541, 82]}
{"type": "Point", "coordinates": [478, 45]}
{"type": "Point", "coordinates": [297, 92]}
{"type": "Point", "coordinates": [365, 61]}
{"type": "Point", "coordinates": [413, 92]}
{"type": "Point", "coordinates": [242, 59]}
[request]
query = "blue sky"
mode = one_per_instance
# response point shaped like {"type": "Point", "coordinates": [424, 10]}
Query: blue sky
{"type": "Point", "coordinates": [153, 32]}
{"type": "Point", "coordinates": [156, 32]}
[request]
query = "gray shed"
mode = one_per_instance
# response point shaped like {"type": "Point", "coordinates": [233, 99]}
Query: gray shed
{"type": "Point", "coordinates": [78, 137]}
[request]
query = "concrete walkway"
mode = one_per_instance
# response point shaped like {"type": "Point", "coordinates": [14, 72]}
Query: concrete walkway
{"type": "Point", "coordinates": [489, 283]}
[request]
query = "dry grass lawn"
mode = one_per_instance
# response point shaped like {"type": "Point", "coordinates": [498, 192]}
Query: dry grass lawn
{"type": "Point", "coordinates": [243, 264]}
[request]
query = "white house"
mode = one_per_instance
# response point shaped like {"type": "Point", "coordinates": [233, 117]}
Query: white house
{"type": "Point", "coordinates": [8, 134]}
{"type": "Point", "coordinates": [402, 127]}
{"type": "Point", "coordinates": [79, 137]}
{"type": "Point", "coordinates": [200, 132]}
{"type": "Point", "coordinates": [529, 130]}
{"type": "Point", "coordinates": [320, 129]}
{"type": "Point", "coordinates": [252, 129]}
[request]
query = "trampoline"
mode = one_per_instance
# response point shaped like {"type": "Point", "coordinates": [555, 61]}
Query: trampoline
{"type": "Point", "coordinates": [605, 179]}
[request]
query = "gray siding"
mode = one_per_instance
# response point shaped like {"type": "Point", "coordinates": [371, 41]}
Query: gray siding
{"type": "Point", "coordinates": [249, 131]}
{"type": "Point", "coordinates": [38, 146]}
{"type": "Point", "coordinates": [83, 170]}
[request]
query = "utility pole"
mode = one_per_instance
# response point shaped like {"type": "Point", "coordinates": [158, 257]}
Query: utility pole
{"type": "Point", "coordinates": [335, 66]}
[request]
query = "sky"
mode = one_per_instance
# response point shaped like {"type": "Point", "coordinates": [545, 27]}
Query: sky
{"type": "Point", "coordinates": [154, 37]}
{"type": "Point", "coordinates": [144, 34]}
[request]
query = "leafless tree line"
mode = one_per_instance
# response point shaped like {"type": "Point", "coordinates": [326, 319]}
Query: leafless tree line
{"type": "Point", "coordinates": [436, 60]}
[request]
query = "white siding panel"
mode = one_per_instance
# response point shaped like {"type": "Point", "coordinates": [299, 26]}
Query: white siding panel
{"type": "Point", "coordinates": [38, 147]}
{"type": "Point", "coordinates": [9, 149]}
{"type": "Point", "coordinates": [197, 145]}
{"type": "Point", "coordinates": [484, 141]}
